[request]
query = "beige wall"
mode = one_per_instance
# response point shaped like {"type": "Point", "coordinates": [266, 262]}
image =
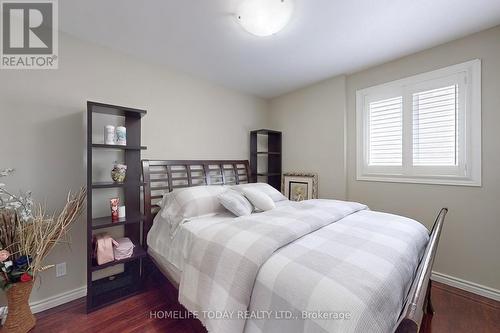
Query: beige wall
{"type": "Point", "coordinates": [470, 244]}
{"type": "Point", "coordinates": [42, 130]}
{"type": "Point", "coordinates": [312, 122]}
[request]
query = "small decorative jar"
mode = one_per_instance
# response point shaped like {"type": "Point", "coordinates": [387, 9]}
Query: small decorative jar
{"type": "Point", "coordinates": [119, 172]}
{"type": "Point", "coordinates": [121, 136]}
{"type": "Point", "coordinates": [114, 204]}
{"type": "Point", "coordinates": [109, 135]}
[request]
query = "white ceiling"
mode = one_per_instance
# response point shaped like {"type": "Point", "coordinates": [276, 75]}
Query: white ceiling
{"type": "Point", "coordinates": [325, 37]}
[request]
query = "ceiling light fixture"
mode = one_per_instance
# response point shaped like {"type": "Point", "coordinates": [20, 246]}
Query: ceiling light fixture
{"type": "Point", "coordinates": [264, 17]}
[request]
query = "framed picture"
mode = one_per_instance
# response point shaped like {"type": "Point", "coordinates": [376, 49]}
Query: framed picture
{"type": "Point", "coordinates": [300, 186]}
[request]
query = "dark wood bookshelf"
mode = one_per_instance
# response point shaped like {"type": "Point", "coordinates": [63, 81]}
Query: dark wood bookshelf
{"type": "Point", "coordinates": [110, 289]}
{"type": "Point", "coordinates": [272, 157]}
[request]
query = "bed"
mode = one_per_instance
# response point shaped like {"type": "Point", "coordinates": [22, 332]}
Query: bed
{"type": "Point", "coordinates": [313, 266]}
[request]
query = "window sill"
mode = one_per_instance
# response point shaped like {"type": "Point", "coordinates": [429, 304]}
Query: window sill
{"type": "Point", "coordinates": [421, 180]}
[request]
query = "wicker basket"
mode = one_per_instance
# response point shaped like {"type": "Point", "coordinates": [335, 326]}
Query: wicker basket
{"type": "Point", "coordinates": [19, 316]}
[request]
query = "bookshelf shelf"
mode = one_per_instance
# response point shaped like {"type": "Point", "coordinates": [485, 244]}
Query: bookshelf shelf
{"type": "Point", "coordinates": [107, 222]}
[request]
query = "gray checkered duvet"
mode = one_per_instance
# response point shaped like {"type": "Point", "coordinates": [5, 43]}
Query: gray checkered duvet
{"type": "Point", "coordinates": [313, 266]}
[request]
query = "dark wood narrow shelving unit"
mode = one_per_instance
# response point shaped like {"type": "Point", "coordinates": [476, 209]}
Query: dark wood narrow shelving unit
{"type": "Point", "coordinates": [271, 157]}
{"type": "Point", "coordinates": [111, 288]}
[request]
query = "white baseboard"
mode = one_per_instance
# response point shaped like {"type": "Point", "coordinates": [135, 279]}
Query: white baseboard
{"type": "Point", "coordinates": [466, 285]}
{"type": "Point", "coordinates": [53, 301]}
{"type": "Point", "coordinates": [56, 300]}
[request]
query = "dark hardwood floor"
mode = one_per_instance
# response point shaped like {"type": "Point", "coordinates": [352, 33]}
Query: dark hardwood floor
{"type": "Point", "coordinates": [456, 311]}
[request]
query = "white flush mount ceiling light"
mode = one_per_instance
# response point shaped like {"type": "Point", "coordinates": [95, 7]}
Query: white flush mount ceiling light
{"type": "Point", "coordinates": [264, 17]}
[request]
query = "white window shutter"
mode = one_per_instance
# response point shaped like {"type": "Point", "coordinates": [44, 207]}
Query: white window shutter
{"type": "Point", "coordinates": [385, 123]}
{"type": "Point", "coordinates": [435, 127]}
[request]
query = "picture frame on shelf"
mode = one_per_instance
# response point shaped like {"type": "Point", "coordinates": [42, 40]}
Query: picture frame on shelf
{"type": "Point", "coordinates": [298, 186]}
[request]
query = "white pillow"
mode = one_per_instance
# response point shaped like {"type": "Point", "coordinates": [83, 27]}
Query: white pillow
{"type": "Point", "coordinates": [259, 199]}
{"type": "Point", "coordinates": [263, 187]}
{"type": "Point", "coordinates": [236, 203]}
{"type": "Point", "coordinates": [183, 204]}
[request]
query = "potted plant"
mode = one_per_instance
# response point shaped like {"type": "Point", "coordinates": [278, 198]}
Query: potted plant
{"type": "Point", "coordinates": [27, 235]}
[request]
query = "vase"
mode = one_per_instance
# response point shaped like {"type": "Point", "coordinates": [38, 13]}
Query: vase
{"type": "Point", "coordinates": [19, 316]}
{"type": "Point", "coordinates": [119, 172]}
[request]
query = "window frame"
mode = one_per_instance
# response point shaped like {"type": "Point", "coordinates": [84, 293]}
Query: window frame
{"type": "Point", "coordinates": [468, 170]}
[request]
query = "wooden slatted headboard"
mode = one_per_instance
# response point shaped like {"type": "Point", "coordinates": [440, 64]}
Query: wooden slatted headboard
{"type": "Point", "coordinates": [162, 176]}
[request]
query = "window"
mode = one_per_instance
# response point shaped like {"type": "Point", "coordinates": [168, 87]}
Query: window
{"type": "Point", "coordinates": [422, 129]}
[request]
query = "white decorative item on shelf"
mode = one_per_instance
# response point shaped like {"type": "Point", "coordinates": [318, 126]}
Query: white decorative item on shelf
{"type": "Point", "coordinates": [124, 248]}
{"type": "Point", "coordinates": [121, 136]}
{"type": "Point", "coordinates": [109, 134]}
{"type": "Point", "coordinates": [121, 211]}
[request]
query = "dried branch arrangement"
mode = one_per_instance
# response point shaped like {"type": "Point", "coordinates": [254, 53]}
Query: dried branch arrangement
{"type": "Point", "coordinates": [27, 236]}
